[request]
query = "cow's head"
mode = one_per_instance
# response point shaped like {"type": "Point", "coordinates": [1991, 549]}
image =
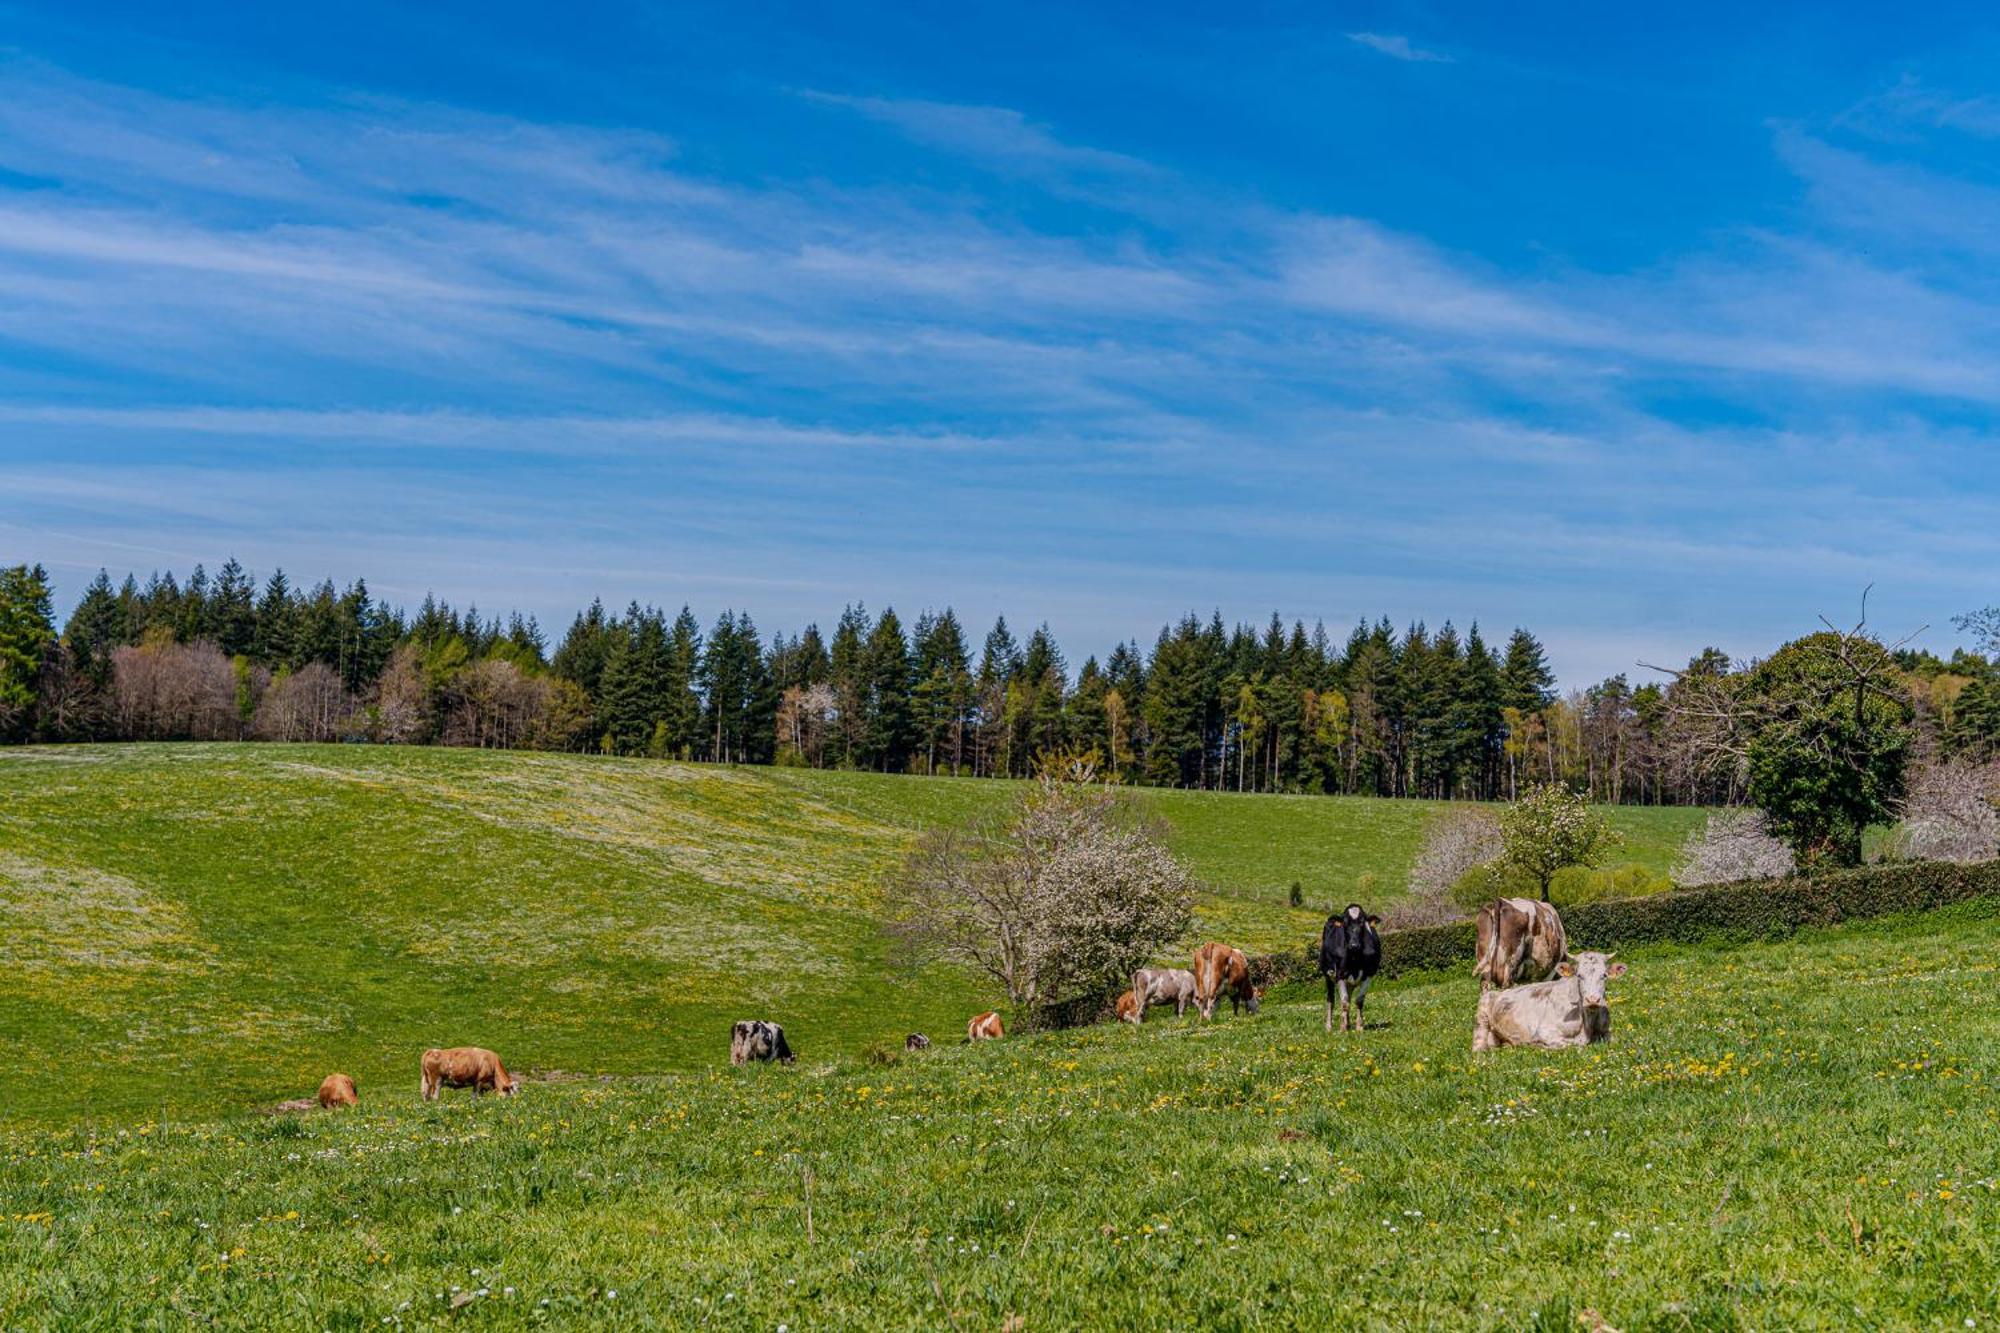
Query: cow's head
{"type": "Point", "coordinates": [1356, 924]}
{"type": "Point", "coordinates": [507, 1086]}
{"type": "Point", "coordinates": [1591, 971]}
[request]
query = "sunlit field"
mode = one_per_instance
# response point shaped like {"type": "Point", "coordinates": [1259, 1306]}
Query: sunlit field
{"type": "Point", "coordinates": [207, 929]}
{"type": "Point", "coordinates": [1796, 1135]}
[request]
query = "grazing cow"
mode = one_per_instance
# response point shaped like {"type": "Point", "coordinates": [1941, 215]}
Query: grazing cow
{"type": "Point", "coordinates": [1350, 954]}
{"type": "Point", "coordinates": [1520, 939]}
{"type": "Point", "coordinates": [1129, 1009]}
{"type": "Point", "coordinates": [916, 1041]}
{"type": "Point", "coordinates": [465, 1067]}
{"type": "Point", "coordinates": [1219, 968]}
{"type": "Point", "coordinates": [1163, 985]}
{"type": "Point", "coordinates": [755, 1039]}
{"type": "Point", "coordinates": [986, 1027]}
{"type": "Point", "coordinates": [1569, 1011]}
{"type": "Point", "coordinates": [338, 1090]}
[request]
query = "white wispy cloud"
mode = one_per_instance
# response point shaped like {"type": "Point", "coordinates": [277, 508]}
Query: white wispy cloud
{"type": "Point", "coordinates": [1398, 47]}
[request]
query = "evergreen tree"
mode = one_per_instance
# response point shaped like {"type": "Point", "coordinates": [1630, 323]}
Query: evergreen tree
{"type": "Point", "coordinates": [942, 696]}
{"type": "Point", "coordinates": [582, 654]}
{"type": "Point", "coordinates": [632, 708]}
{"type": "Point", "coordinates": [890, 733]}
{"type": "Point", "coordinates": [27, 636]}
{"type": "Point", "coordinates": [682, 707]}
{"type": "Point", "coordinates": [847, 672]}
{"type": "Point", "coordinates": [95, 628]}
{"type": "Point", "coordinates": [234, 619]}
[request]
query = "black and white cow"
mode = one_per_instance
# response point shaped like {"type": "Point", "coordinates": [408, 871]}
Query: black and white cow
{"type": "Point", "coordinates": [755, 1039]}
{"type": "Point", "coordinates": [916, 1041]}
{"type": "Point", "coordinates": [1350, 953]}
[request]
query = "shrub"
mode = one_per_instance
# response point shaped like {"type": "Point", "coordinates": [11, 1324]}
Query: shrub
{"type": "Point", "coordinates": [1455, 842]}
{"type": "Point", "coordinates": [1071, 896]}
{"type": "Point", "coordinates": [1734, 845]}
{"type": "Point", "coordinates": [1949, 815]}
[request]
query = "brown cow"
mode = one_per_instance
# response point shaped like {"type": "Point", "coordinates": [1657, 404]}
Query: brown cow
{"type": "Point", "coordinates": [465, 1067]}
{"type": "Point", "coordinates": [986, 1027]}
{"type": "Point", "coordinates": [1520, 939]}
{"type": "Point", "coordinates": [1569, 1011]}
{"type": "Point", "coordinates": [338, 1090]}
{"type": "Point", "coordinates": [1217, 968]}
{"type": "Point", "coordinates": [1129, 1010]}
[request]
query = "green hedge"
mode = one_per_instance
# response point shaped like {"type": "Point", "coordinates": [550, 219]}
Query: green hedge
{"type": "Point", "coordinates": [1752, 909]}
{"type": "Point", "coordinates": [1749, 910]}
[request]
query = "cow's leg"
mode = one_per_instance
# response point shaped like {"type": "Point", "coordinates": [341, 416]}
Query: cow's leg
{"type": "Point", "coordinates": [1343, 1004]}
{"type": "Point", "coordinates": [1329, 1002]}
{"type": "Point", "coordinates": [1361, 995]}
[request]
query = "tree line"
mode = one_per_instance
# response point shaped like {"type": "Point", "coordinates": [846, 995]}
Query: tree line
{"type": "Point", "coordinates": [1279, 707]}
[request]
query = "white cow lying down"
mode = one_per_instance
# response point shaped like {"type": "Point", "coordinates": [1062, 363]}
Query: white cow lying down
{"type": "Point", "coordinates": [1570, 1010]}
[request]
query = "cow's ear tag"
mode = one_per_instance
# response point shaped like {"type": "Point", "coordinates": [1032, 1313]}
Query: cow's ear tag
{"type": "Point", "coordinates": [1566, 970]}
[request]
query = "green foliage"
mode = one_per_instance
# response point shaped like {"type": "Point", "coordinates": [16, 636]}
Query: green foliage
{"type": "Point", "coordinates": [1548, 830]}
{"type": "Point", "coordinates": [27, 633]}
{"type": "Point", "coordinates": [1827, 747]}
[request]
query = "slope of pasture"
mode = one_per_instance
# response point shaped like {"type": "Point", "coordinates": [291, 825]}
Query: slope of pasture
{"type": "Point", "coordinates": [205, 927]}
{"type": "Point", "coordinates": [1797, 1135]}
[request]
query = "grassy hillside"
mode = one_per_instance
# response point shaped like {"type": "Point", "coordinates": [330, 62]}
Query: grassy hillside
{"type": "Point", "coordinates": [1790, 1136]}
{"type": "Point", "coordinates": [198, 928]}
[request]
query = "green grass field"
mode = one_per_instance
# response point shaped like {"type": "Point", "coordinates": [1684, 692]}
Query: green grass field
{"type": "Point", "coordinates": [1798, 1135]}
{"type": "Point", "coordinates": [204, 929]}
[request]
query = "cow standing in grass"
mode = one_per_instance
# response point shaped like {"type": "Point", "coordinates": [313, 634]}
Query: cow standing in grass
{"type": "Point", "coordinates": [754, 1039]}
{"type": "Point", "coordinates": [1163, 985]}
{"type": "Point", "coordinates": [465, 1067]}
{"type": "Point", "coordinates": [1219, 968]}
{"type": "Point", "coordinates": [1350, 954]}
{"type": "Point", "coordinates": [1520, 939]}
{"type": "Point", "coordinates": [1572, 1010]}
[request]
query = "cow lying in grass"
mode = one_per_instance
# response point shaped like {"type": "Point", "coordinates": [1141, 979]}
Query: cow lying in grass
{"type": "Point", "coordinates": [1571, 1010]}
{"type": "Point", "coordinates": [338, 1090]}
{"type": "Point", "coordinates": [986, 1027]}
{"type": "Point", "coordinates": [465, 1067]}
{"type": "Point", "coordinates": [758, 1040]}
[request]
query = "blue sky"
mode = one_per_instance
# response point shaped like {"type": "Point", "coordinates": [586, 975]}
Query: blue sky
{"type": "Point", "coordinates": [1646, 330]}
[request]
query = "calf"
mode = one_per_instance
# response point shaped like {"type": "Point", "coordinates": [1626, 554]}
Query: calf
{"type": "Point", "coordinates": [986, 1027]}
{"type": "Point", "coordinates": [1219, 968]}
{"type": "Point", "coordinates": [1162, 985]}
{"type": "Point", "coordinates": [465, 1067]}
{"type": "Point", "coordinates": [754, 1039]}
{"type": "Point", "coordinates": [1350, 953]}
{"type": "Point", "coordinates": [338, 1090]}
{"type": "Point", "coordinates": [916, 1041]}
{"type": "Point", "coordinates": [1520, 939]}
{"type": "Point", "coordinates": [1569, 1011]}
{"type": "Point", "coordinates": [1129, 1008]}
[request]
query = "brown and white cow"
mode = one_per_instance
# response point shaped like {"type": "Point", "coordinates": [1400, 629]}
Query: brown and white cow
{"type": "Point", "coordinates": [1219, 968]}
{"type": "Point", "coordinates": [1572, 1010]}
{"type": "Point", "coordinates": [986, 1027]}
{"type": "Point", "coordinates": [1520, 939]}
{"type": "Point", "coordinates": [1129, 1008]}
{"type": "Point", "coordinates": [1163, 985]}
{"type": "Point", "coordinates": [338, 1090]}
{"type": "Point", "coordinates": [472, 1067]}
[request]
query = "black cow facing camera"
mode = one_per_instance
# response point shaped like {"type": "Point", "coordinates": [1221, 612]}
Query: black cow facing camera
{"type": "Point", "coordinates": [1350, 953]}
